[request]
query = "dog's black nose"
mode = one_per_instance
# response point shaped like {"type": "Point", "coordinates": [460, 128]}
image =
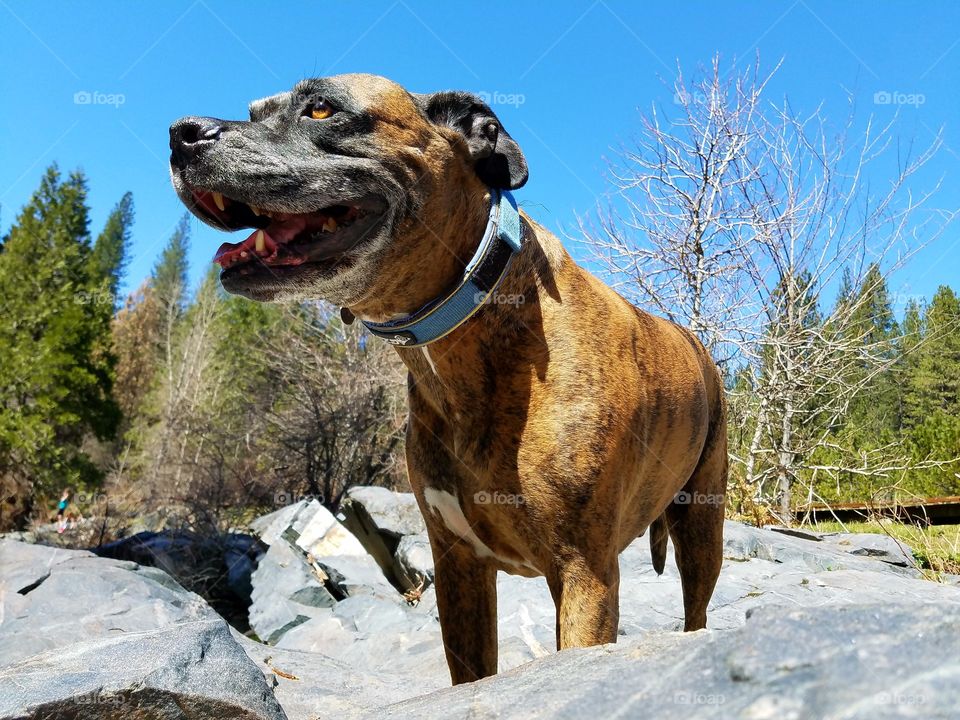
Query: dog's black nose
{"type": "Point", "coordinates": [191, 135]}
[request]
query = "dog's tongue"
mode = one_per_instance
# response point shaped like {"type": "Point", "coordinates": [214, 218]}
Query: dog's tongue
{"type": "Point", "coordinates": [259, 243]}
{"type": "Point", "coordinates": [268, 246]}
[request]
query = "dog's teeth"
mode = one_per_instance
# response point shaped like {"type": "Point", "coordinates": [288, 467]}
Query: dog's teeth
{"type": "Point", "coordinates": [259, 242]}
{"type": "Point", "coordinates": [330, 225]}
{"type": "Point", "coordinates": [256, 211]}
{"type": "Point", "coordinates": [218, 201]}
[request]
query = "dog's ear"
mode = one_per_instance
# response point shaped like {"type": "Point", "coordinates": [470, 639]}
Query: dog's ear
{"type": "Point", "coordinates": [497, 158]}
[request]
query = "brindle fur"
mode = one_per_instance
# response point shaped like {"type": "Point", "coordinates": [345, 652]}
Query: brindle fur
{"type": "Point", "coordinates": [593, 412]}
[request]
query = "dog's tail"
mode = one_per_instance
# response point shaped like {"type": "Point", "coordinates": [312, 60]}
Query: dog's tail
{"type": "Point", "coordinates": [658, 543]}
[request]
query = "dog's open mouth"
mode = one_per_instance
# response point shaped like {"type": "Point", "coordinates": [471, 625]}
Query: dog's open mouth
{"type": "Point", "coordinates": [286, 239]}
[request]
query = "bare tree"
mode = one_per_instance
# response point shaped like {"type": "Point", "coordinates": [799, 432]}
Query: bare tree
{"type": "Point", "coordinates": [738, 220]}
{"type": "Point", "coordinates": [816, 215]}
{"type": "Point", "coordinates": [340, 422]}
{"type": "Point", "coordinates": [678, 232]}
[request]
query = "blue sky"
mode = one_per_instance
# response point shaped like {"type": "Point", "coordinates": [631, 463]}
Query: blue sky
{"type": "Point", "coordinates": [568, 81]}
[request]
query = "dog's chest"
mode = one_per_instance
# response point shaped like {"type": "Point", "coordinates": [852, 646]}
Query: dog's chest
{"type": "Point", "coordinates": [446, 509]}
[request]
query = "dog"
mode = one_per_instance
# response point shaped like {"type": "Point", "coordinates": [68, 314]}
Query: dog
{"type": "Point", "coordinates": [550, 421]}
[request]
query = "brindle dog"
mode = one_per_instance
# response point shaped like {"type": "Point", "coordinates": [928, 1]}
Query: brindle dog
{"type": "Point", "coordinates": [546, 432]}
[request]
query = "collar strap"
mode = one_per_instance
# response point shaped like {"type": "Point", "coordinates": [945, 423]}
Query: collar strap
{"type": "Point", "coordinates": [501, 241]}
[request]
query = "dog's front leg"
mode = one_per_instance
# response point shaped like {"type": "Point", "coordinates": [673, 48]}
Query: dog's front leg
{"type": "Point", "coordinates": [467, 601]}
{"type": "Point", "coordinates": [466, 585]}
{"type": "Point", "coordinates": [586, 595]}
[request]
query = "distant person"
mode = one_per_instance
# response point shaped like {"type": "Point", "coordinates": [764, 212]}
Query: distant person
{"type": "Point", "coordinates": [62, 511]}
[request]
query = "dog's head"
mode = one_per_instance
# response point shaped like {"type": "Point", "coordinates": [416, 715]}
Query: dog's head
{"type": "Point", "coordinates": [350, 185]}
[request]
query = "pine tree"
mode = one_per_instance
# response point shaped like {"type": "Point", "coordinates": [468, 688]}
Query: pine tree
{"type": "Point", "coordinates": [110, 250]}
{"type": "Point", "coordinates": [54, 378]}
{"type": "Point", "coordinates": [170, 272]}
{"type": "Point", "coordinates": [934, 386]}
{"type": "Point", "coordinates": [933, 397]}
{"type": "Point", "coordinates": [908, 350]}
{"type": "Point", "coordinates": [874, 415]}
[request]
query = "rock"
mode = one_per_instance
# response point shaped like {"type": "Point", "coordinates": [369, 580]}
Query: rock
{"type": "Point", "coordinates": [350, 575]}
{"type": "Point", "coordinates": [309, 685]}
{"type": "Point", "coordinates": [745, 542]}
{"type": "Point", "coordinates": [185, 670]}
{"type": "Point", "coordinates": [199, 563]}
{"type": "Point", "coordinates": [874, 545]}
{"type": "Point", "coordinates": [414, 558]}
{"type": "Point", "coordinates": [381, 518]}
{"type": "Point", "coordinates": [760, 567]}
{"type": "Point", "coordinates": [818, 626]}
{"type": "Point", "coordinates": [85, 637]}
{"type": "Point", "coordinates": [392, 513]}
{"type": "Point", "coordinates": [268, 527]}
{"type": "Point", "coordinates": [286, 592]}
{"type": "Point", "coordinates": [312, 563]}
{"type": "Point", "coordinates": [54, 598]}
{"type": "Point", "coordinates": [882, 547]}
{"type": "Point", "coordinates": [859, 661]}
{"type": "Point", "coordinates": [321, 534]}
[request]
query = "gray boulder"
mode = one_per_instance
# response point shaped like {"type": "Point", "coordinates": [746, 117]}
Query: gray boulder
{"type": "Point", "coordinates": [816, 552]}
{"type": "Point", "coordinates": [414, 559]}
{"type": "Point", "coordinates": [858, 661]}
{"type": "Point", "coordinates": [377, 633]}
{"type": "Point", "coordinates": [86, 637]}
{"type": "Point", "coordinates": [185, 670]}
{"type": "Point", "coordinates": [287, 591]}
{"type": "Point", "coordinates": [873, 545]}
{"type": "Point", "coordinates": [391, 513]}
{"type": "Point", "coordinates": [319, 533]}
{"type": "Point", "coordinates": [312, 563]}
{"type": "Point", "coordinates": [381, 519]}
{"type": "Point", "coordinates": [216, 567]}
{"type": "Point", "coordinates": [53, 598]}
{"type": "Point", "coordinates": [310, 685]}
{"type": "Point", "coordinates": [269, 527]}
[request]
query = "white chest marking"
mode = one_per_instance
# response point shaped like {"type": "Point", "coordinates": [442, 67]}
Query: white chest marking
{"type": "Point", "coordinates": [447, 506]}
{"type": "Point", "coordinates": [426, 354]}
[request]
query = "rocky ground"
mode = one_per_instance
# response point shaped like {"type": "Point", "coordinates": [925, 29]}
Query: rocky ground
{"type": "Point", "coordinates": [801, 626]}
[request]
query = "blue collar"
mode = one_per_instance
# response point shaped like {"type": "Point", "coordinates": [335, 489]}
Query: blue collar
{"type": "Point", "coordinates": [501, 242]}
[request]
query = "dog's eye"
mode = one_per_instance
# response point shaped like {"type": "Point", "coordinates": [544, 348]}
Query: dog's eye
{"type": "Point", "coordinates": [319, 110]}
